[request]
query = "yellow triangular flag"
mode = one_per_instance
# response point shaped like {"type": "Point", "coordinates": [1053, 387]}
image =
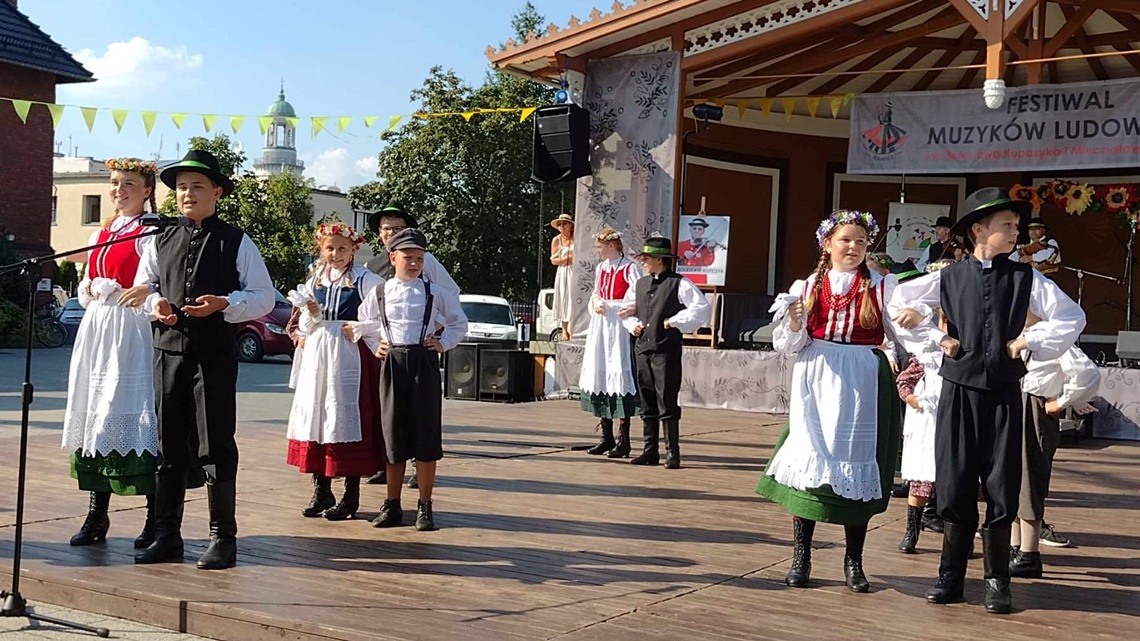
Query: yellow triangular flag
{"type": "Point", "coordinates": [22, 107]}
{"type": "Point", "coordinates": [89, 116]}
{"type": "Point", "coordinates": [208, 121]}
{"type": "Point", "coordinates": [393, 121]}
{"type": "Point", "coordinates": [526, 113]}
{"type": "Point", "coordinates": [293, 122]}
{"type": "Point", "coordinates": [318, 124]}
{"type": "Point", "coordinates": [369, 121]}
{"type": "Point", "coordinates": [342, 123]}
{"type": "Point", "coordinates": [836, 105]}
{"type": "Point", "coordinates": [178, 119]}
{"type": "Point", "coordinates": [236, 122]}
{"type": "Point", "coordinates": [148, 120]}
{"type": "Point", "coordinates": [119, 116]}
{"type": "Point", "coordinates": [813, 104]}
{"type": "Point", "coordinates": [264, 122]}
{"type": "Point", "coordinates": [789, 107]}
{"type": "Point", "coordinates": [467, 115]}
{"type": "Point", "coordinates": [766, 106]}
{"type": "Point", "coordinates": [848, 98]}
{"type": "Point", "coordinates": [742, 108]}
{"type": "Point", "coordinates": [56, 114]}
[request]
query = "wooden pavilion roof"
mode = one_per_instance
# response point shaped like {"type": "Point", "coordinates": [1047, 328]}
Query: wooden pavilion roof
{"type": "Point", "coordinates": [746, 49]}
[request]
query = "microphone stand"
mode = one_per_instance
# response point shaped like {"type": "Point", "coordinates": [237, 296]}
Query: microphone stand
{"type": "Point", "coordinates": [1132, 220]}
{"type": "Point", "coordinates": [1081, 273]}
{"type": "Point", "coordinates": [14, 604]}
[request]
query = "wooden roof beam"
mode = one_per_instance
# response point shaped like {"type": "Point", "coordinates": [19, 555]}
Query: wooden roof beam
{"type": "Point", "coordinates": [968, 77]}
{"type": "Point", "coordinates": [829, 38]}
{"type": "Point", "coordinates": [1095, 64]}
{"type": "Point", "coordinates": [1126, 6]}
{"type": "Point", "coordinates": [1019, 16]}
{"type": "Point", "coordinates": [944, 61]}
{"type": "Point", "coordinates": [1133, 60]}
{"type": "Point", "coordinates": [1130, 23]}
{"type": "Point", "coordinates": [1073, 23]}
{"type": "Point", "coordinates": [838, 82]}
{"type": "Point", "coordinates": [899, 69]}
{"type": "Point", "coordinates": [981, 26]}
{"type": "Point", "coordinates": [1036, 29]}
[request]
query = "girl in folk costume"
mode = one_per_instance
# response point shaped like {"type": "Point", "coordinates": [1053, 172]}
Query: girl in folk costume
{"type": "Point", "coordinates": [609, 390]}
{"type": "Point", "coordinates": [110, 427]}
{"type": "Point", "coordinates": [835, 460]}
{"type": "Point", "coordinates": [334, 422]}
{"type": "Point", "coordinates": [562, 257]}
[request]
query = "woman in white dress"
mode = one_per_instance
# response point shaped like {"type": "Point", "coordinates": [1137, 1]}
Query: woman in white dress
{"type": "Point", "coordinates": [562, 256]}
{"type": "Point", "coordinates": [609, 389]}
{"type": "Point", "coordinates": [110, 427]}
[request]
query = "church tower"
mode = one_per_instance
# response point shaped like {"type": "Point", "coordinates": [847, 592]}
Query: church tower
{"type": "Point", "coordinates": [280, 152]}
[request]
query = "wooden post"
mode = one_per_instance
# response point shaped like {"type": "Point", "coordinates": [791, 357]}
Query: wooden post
{"type": "Point", "coordinates": [678, 39]}
{"type": "Point", "coordinates": [995, 45]}
{"type": "Point", "coordinates": [1037, 44]}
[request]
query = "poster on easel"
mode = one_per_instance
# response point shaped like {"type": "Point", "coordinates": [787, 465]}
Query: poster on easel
{"type": "Point", "coordinates": [703, 249]}
{"type": "Point", "coordinates": [910, 229]}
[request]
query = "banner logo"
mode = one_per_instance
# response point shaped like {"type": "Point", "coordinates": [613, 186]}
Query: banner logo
{"type": "Point", "coordinates": [886, 138]}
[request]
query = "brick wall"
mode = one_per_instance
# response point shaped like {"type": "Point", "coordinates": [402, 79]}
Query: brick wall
{"type": "Point", "coordinates": [26, 159]}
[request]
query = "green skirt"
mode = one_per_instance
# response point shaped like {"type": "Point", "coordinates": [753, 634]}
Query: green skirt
{"type": "Point", "coordinates": [821, 503]}
{"type": "Point", "coordinates": [611, 406]}
{"type": "Point", "coordinates": [130, 475]}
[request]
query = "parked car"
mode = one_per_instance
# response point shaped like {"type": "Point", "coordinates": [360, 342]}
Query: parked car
{"type": "Point", "coordinates": [547, 327]}
{"type": "Point", "coordinates": [489, 320]}
{"type": "Point", "coordinates": [71, 314]}
{"type": "Point", "coordinates": [266, 336]}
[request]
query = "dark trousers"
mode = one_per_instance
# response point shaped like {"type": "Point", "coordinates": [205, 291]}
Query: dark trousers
{"type": "Point", "coordinates": [196, 403]}
{"type": "Point", "coordinates": [411, 405]}
{"type": "Point", "coordinates": [978, 438]}
{"type": "Point", "coordinates": [1042, 436]}
{"type": "Point", "coordinates": [659, 383]}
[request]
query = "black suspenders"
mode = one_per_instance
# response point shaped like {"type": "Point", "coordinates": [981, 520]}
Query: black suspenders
{"type": "Point", "coordinates": [428, 310]}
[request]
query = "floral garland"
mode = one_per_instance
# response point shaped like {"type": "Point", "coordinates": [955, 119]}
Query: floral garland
{"type": "Point", "coordinates": [607, 235]}
{"type": "Point", "coordinates": [1079, 199]}
{"type": "Point", "coordinates": [847, 217]}
{"type": "Point", "coordinates": [337, 228]}
{"type": "Point", "coordinates": [137, 165]}
{"type": "Point", "coordinates": [938, 265]}
{"type": "Point", "coordinates": [884, 260]}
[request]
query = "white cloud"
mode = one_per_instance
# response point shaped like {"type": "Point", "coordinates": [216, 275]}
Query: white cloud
{"type": "Point", "coordinates": [135, 65]}
{"type": "Point", "coordinates": [336, 167]}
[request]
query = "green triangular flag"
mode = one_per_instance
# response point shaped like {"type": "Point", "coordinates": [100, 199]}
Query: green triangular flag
{"type": "Point", "coordinates": [342, 123]}
{"type": "Point", "coordinates": [148, 120]}
{"type": "Point", "coordinates": [526, 113]}
{"type": "Point", "coordinates": [89, 116]}
{"type": "Point", "coordinates": [22, 107]}
{"type": "Point", "coordinates": [119, 116]}
{"type": "Point", "coordinates": [393, 121]}
{"type": "Point", "coordinates": [178, 119]}
{"type": "Point", "coordinates": [264, 122]}
{"type": "Point", "coordinates": [236, 122]}
{"type": "Point", "coordinates": [318, 124]}
{"type": "Point", "coordinates": [369, 120]}
{"type": "Point", "coordinates": [208, 121]}
{"type": "Point", "coordinates": [56, 114]}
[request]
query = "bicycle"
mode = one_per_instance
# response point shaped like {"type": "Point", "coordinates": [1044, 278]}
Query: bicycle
{"type": "Point", "coordinates": [48, 331]}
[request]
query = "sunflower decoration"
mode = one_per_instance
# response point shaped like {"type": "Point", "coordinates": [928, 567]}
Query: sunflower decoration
{"type": "Point", "coordinates": [1044, 191]}
{"type": "Point", "coordinates": [1079, 198]}
{"type": "Point", "coordinates": [1028, 194]}
{"type": "Point", "coordinates": [1118, 198]}
{"type": "Point", "coordinates": [1061, 189]}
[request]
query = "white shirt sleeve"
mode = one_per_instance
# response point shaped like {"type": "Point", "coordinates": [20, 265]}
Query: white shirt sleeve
{"type": "Point", "coordinates": [256, 295]}
{"type": "Point", "coordinates": [697, 309]}
{"type": "Point", "coordinates": [368, 326]}
{"type": "Point", "coordinates": [923, 260]}
{"type": "Point", "coordinates": [783, 338]}
{"type": "Point", "coordinates": [147, 274]}
{"type": "Point", "coordinates": [630, 301]}
{"type": "Point", "coordinates": [437, 274]}
{"type": "Point", "coordinates": [922, 294]}
{"type": "Point", "coordinates": [83, 290]}
{"type": "Point", "coordinates": [1062, 320]}
{"type": "Point", "coordinates": [1082, 378]}
{"type": "Point", "coordinates": [449, 314]}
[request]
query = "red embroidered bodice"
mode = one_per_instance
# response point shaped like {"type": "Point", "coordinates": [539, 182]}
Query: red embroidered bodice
{"type": "Point", "coordinates": [119, 261]}
{"type": "Point", "coordinates": [835, 317]}
{"type": "Point", "coordinates": [613, 281]}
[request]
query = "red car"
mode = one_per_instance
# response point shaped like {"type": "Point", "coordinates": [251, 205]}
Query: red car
{"type": "Point", "coordinates": [266, 336]}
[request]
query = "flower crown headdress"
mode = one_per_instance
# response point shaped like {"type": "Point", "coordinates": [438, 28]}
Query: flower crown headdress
{"type": "Point", "coordinates": [847, 217]}
{"type": "Point", "coordinates": [608, 235]}
{"type": "Point", "coordinates": [884, 260]}
{"type": "Point", "coordinates": [145, 167]}
{"type": "Point", "coordinates": [337, 228]}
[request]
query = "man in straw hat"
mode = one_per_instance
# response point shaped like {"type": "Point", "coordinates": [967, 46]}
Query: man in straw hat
{"type": "Point", "coordinates": [206, 276]}
{"type": "Point", "coordinates": [1042, 253]}
{"type": "Point", "coordinates": [985, 300]}
{"type": "Point", "coordinates": [658, 310]}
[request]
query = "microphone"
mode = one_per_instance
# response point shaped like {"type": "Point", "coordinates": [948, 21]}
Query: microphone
{"type": "Point", "coordinates": [154, 220]}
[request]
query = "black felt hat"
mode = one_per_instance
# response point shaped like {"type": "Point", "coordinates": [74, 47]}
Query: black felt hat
{"type": "Point", "coordinates": [659, 247]}
{"type": "Point", "coordinates": [944, 221]}
{"type": "Point", "coordinates": [198, 161]}
{"type": "Point", "coordinates": [408, 239]}
{"type": "Point", "coordinates": [986, 201]}
{"type": "Point", "coordinates": [393, 210]}
{"type": "Point", "coordinates": [698, 222]}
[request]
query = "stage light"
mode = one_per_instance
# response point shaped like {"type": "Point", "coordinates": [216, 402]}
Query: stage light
{"type": "Point", "coordinates": [707, 112]}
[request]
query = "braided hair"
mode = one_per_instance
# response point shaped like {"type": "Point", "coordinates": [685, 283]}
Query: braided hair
{"type": "Point", "coordinates": [868, 314]}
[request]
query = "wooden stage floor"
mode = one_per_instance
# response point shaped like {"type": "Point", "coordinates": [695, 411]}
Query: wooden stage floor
{"type": "Point", "coordinates": [540, 542]}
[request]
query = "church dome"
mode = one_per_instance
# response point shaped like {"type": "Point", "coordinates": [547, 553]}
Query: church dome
{"type": "Point", "coordinates": [281, 107]}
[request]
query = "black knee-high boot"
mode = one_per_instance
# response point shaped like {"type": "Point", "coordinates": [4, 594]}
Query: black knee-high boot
{"type": "Point", "coordinates": [322, 499]}
{"type": "Point", "coordinates": [222, 553]}
{"type": "Point", "coordinates": [606, 425]}
{"type": "Point", "coordinates": [147, 536]}
{"type": "Point", "coordinates": [169, 501]}
{"type": "Point", "coordinates": [650, 432]}
{"type": "Point", "coordinates": [95, 526]}
{"type": "Point", "coordinates": [802, 532]}
{"type": "Point", "coordinates": [621, 450]}
{"type": "Point", "coordinates": [913, 526]}
{"type": "Point", "coordinates": [853, 559]}
{"type": "Point", "coordinates": [995, 551]}
{"type": "Point", "coordinates": [349, 502]}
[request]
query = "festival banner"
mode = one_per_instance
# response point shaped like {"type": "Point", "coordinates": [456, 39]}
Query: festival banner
{"type": "Point", "coordinates": [1091, 125]}
{"type": "Point", "coordinates": [703, 255]}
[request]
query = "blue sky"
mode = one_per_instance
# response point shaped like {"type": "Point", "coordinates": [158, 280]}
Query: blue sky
{"type": "Point", "coordinates": [337, 57]}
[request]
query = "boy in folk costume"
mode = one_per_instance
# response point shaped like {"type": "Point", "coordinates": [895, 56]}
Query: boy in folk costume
{"type": "Point", "coordinates": [334, 422]}
{"type": "Point", "coordinates": [398, 323]}
{"type": "Point", "coordinates": [658, 310]}
{"type": "Point", "coordinates": [984, 300]}
{"type": "Point", "coordinates": [836, 459]}
{"type": "Point", "coordinates": [609, 390]}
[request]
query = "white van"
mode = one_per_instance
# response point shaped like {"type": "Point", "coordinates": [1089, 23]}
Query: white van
{"type": "Point", "coordinates": [546, 327]}
{"type": "Point", "coordinates": [489, 320]}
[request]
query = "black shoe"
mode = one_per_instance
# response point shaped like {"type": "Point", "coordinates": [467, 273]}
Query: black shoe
{"type": "Point", "coordinates": [913, 520]}
{"type": "Point", "coordinates": [951, 585]}
{"type": "Point", "coordinates": [163, 550]}
{"type": "Point", "coordinates": [607, 443]}
{"type": "Point", "coordinates": [414, 481]}
{"type": "Point", "coordinates": [995, 552]}
{"type": "Point", "coordinates": [930, 519]}
{"type": "Point", "coordinates": [95, 526]}
{"type": "Point", "coordinates": [672, 444]}
{"type": "Point", "coordinates": [379, 478]}
{"type": "Point", "coordinates": [650, 430]}
{"type": "Point", "coordinates": [169, 500]}
{"type": "Point", "coordinates": [853, 571]}
{"type": "Point", "coordinates": [1025, 565]}
{"type": "Point", "coordinates": [222, 553]}
{"type": "Point", "coordinates": [322, 499]}
{"type": "Point", "coordinates": [800, 572]}
{"type": "Point", "coordinates": [900, 490]}
{"type": "Point", "coordinates": [146, 537]}
{"type": "Point", "coordinates": [622, 449]}
{"type": "Point", "coordinates": [391, 515]}
{"type": "Point", "coordinates": [647, 458]}
{"type": "Point", "coordinates": [349, 503]}
{"type": "Point", "coordinates": [425, 522]}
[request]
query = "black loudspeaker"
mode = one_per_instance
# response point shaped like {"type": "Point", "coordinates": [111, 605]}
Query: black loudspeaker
{"type": "Point", "coordinates": [506, 375]}
{"type": "Point", "coordinates": [461, 372]}
{"type": "Point", "coordinates": [561, 143]}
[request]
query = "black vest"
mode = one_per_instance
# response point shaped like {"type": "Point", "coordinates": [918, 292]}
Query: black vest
{"type": "Point", "coordinates": [382, 266]}
{"type": "Point", "coordinates": [657, 302]}
{"type": "Point", "coordinates": [935, 251]}
{"type": "Point", "coordinates": [193, 262]}
{"type": "Point", "coordinates": [985, 309]}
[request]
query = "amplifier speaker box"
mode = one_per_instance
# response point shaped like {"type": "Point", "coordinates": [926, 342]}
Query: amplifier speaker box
{"type": "Point", "coordinates": [506, 375]}
{"type": "Point", "coordinates": [461, 372]}
{"type": "Point", "coordinates": [561, 143]}
{"type": "Point", "coordinates": [1128, 346]}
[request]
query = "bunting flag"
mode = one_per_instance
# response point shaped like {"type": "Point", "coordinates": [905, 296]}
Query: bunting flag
{"type": "Point", "coordinates": [812, 104]}
{"type": "Point", "coordinates": [467, 115]}
{"type": "Point", "coordinates": [148, 118]}
{"type": "Point", "coordinates": [89, 116]}
{"type": "Point", "coordinates": [120, 117]}
{"type": "Point", "coordinates": [22, 107]}
{"type": "Point", "coordinates": [178, 119]}
{"type": "Point", "coordinates": [293, 122]}
{"type": "Point", "coordinates": [526, 113]}
{"type": "Point", "coordinates": [236, 122]}
{"type": "Point", "coordinates": [741, 108]}
{"type": "Point", "coordinates": [392, 122]}
{"type": "Point", "coordinates": [766, 106]}
{"type": "Point", "coordinates": [342, 123]}
{"type": "Point", "coordinates": [318, 124]}
{"type": "Point", "coordinates": [264, 122]}
{"type": "Point", "coordinates": [56, 113]}
{"type": "Point", "coordinates": [836, 105]}
{"type": "Point", "coordinates": [208, 121]}
{"type": "Point", "coordinates": [789, 107]}
{"type": "Point", "coordinates": [369, 121]}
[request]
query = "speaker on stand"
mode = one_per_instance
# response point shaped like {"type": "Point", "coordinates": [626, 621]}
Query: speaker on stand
{"type": "Point", "coordinates": [461, 372]}
{"type": "Point", "coordinates": [561, 143]}
{"type": "Point", "coordinates": [506, 375]}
